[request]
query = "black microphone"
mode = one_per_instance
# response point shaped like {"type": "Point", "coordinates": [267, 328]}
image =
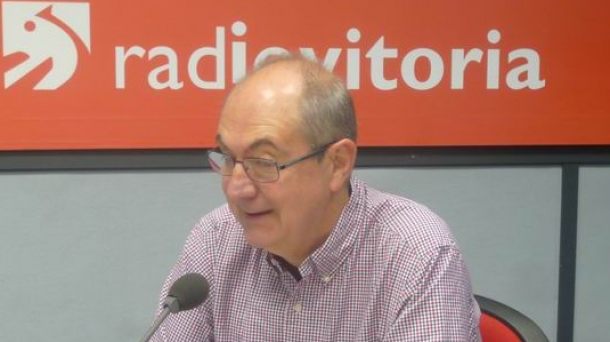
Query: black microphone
{"type": "Point", "coordinates": [186, 293]}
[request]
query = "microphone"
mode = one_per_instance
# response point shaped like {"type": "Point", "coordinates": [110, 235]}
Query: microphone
{"type": "Point", "coordinates": [186, 293]}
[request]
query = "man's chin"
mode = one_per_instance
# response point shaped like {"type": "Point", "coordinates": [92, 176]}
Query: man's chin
{"type": "Point", "coordinates": [256, 238]}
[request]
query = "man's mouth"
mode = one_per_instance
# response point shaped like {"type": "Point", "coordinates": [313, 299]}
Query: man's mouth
{"type": "Point", "coordinates": [257, 213]}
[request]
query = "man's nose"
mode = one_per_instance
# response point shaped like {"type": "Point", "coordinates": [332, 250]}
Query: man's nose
{"type": "Point", "coordinates": [239, 184]}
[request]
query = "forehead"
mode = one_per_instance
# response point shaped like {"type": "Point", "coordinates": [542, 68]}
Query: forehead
{"type": "Point", "coordinates": [263, 111]}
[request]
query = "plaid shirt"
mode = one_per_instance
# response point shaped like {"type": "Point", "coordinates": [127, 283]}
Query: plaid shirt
{"type": "Point", "coordinates": [389, 271]}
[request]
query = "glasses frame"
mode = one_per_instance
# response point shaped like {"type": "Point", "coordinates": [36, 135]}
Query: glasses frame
{"type": "Point", "coordinates": [278, 168]}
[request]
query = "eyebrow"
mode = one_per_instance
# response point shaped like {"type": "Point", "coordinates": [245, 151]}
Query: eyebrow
{"type": "Point", "coordinates": [258, 143]}
{"type": "Point", "coordinates": [219, 142]}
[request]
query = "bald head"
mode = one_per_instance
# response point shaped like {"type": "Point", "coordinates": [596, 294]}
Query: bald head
{"type": "Point", "coordinates": [324, 106]}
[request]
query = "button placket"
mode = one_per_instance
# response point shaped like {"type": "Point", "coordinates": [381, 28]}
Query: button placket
{"type": "Point", "coordinates": [297, 303]}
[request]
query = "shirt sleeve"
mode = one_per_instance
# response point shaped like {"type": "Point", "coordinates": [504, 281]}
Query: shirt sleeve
{"type": "Point", "coordinates": [437, 304]}
{"type": "Point", "coordinates": [195, 325]}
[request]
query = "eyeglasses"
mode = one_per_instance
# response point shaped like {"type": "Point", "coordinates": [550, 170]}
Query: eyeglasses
{"type": "Point", "coordinates": [260, 170]}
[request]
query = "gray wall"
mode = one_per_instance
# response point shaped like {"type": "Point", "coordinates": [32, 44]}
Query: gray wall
{"type": "Point", "coordinates": [83, 254]}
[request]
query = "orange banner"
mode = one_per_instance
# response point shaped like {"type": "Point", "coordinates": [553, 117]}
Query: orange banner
{"type": "Point", "coordinates": [153, 74]}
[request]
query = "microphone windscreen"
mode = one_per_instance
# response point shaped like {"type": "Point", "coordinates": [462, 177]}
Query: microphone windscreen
{"type": "Point", "coordinates": [190, 290]}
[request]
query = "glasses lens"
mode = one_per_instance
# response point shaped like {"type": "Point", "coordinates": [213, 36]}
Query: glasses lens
{"type": "Point", "coordinates": [221, 163]}
{"type": "Point", "coordinates": [261, 170]}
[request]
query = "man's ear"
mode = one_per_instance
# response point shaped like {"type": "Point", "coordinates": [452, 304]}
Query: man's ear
{"type": "Point", "coordinates": [342, 155]}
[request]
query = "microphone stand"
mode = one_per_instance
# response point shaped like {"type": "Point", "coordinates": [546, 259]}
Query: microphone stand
{"type": "Point", "coordinates": [170, 305]}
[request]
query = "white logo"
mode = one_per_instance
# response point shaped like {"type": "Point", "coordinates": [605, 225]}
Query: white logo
{"type": "Point", "coordinates": [39, 35]}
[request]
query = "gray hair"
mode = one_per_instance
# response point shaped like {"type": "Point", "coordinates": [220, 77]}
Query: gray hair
{"type": "Point", "coordinates": [327, 109]}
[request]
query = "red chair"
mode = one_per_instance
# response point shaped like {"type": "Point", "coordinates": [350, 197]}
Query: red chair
{"type": "Point", "coordinates": [501, 323]}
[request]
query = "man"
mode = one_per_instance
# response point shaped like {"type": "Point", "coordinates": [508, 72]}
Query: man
{"type": "Point", "coordinates": [303, 250]}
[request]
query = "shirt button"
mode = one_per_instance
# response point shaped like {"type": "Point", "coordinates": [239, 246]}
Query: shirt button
{"type": "Point", "coordinates": [326, 279]}
{"type": "Point", "coordinates": [298, 307]}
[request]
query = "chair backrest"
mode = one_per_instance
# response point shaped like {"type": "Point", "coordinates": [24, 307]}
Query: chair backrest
{"type": "Point", "coordinates": [501, 323]}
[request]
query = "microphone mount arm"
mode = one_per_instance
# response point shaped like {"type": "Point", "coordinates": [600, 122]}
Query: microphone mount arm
{"type": "Point", "coordinates": [171, 305]}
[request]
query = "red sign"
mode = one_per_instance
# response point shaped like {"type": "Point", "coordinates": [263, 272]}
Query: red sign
{"type": "Point", "coordinates": [154, 74]}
